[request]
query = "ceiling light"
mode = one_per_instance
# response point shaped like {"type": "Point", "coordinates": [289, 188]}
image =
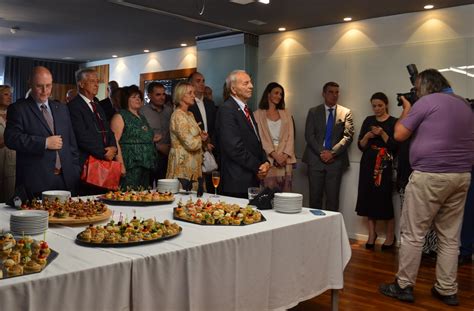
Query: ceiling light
{"type": "Point", "coordinates": [146, 51]}
{"type": "Point", "coordinates": [114, 56]}
{"type": "Point", "coordinates": [281, 29]}
{"type": "Point", "coordinates": [264, 1]}
{"type": "Point", "coordinates": [14, 29]}
{"type": "Point", "coordinates": [347, 19]}
{"type": "Point", "coordinates": [184, 44]}
{"type": "Point", "coordinates": [428, 7]}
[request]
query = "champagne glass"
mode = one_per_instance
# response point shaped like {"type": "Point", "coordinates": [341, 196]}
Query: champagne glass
{"type": "Point", "coordinates": [216, 178]}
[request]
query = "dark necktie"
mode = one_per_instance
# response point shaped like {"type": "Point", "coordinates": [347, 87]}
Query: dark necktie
{"type": "Point", "coordinates": [329, 126]}
{"type": "Point", "coordinates": [99, 120]}
{"type": "Point", "coordinates": [49, 119]}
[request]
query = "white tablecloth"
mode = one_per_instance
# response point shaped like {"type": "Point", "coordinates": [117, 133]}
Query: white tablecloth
{"type": "Point", "coordinates": [270, 265]}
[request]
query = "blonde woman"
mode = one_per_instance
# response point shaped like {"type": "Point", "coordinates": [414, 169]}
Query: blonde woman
{"type": "Point", "coordinates": [7, 156]}
{"type": "Point", "coordinates": [275, 124]}
{"type": "Point", "coordinates": [185, 157]}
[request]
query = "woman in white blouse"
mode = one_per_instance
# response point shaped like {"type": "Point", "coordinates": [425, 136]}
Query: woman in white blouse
{"type": "Point", "coordinates": [275, 125]}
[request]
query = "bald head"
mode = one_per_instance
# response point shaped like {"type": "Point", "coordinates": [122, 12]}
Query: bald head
{"type": "Point", "coordinates": [41, 84]}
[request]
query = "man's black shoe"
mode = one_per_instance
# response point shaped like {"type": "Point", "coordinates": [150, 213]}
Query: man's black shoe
{"type": "Point", "coordinates": [395, 291]}
{"type": "Point", "coordinates": [450, 300]}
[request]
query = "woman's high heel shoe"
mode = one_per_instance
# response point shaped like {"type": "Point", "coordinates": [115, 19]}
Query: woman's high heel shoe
{"type": "Point", "coordinates": [371, 245]}
{"type": "Point", "coordinates": [386, 247]}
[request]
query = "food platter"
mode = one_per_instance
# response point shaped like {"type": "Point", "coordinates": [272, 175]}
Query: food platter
{"type": "Point", "coordinates": [80, 221]}
{"type": "Point", "coordinates": [133, 203]}
{"type": "Point", "coordinates": [125, 234]}
{"type": "Point", "coordinates": [71, 212]}
{"type": "Point", "coordinates": [137, 198]}
{"type": "Point", "coordinates": [22, 256]}
{"type": "Point", "coordinates": [216, 214]}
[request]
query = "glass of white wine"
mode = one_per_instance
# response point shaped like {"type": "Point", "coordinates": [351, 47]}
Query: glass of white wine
{"type": "Point", "coordinates": [216, 178]}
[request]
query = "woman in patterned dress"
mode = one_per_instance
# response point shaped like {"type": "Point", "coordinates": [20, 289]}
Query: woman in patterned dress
{"type": "Point", "coordinates": [7, 156]}
{"type": "Point", "coordinates": [187, 139]}
{"type": "Point", "coordinates": [135, 140]}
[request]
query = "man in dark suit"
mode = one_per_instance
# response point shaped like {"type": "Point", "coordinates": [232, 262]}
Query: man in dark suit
{"type": "Point", "coordinates": [107, 103]}
{"type": "Point", "coordinates": [204, 111]}
{"type": "Point", "coordinates": [328, 133]}
{"type": "Point", "coordinates": [40, 131]}
{"type": "Point", "coordinates": [91, 127]}
{"type": "Point", "coordinates": [243, 161]}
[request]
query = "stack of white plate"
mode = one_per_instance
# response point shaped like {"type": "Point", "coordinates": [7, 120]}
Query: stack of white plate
{"type": "Point", "coordinates": [287, 202]}
{"type": "Point", "coordinates": [29, 222]}
{"type": "Point", "coordinates": [168, 185]}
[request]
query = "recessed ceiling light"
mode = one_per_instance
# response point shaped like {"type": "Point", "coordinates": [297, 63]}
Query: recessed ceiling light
{"type": "Point", "coordinates": [281, 29]}
{"type": "Point", "coordinates": [428, 7]}
{"type": "Point", "coordinates": [68, 57]}
{"type": "Point", "coordinates": [184, 44]}
{"type": "Point", "coordinates": [347, 19]}
{"type": "Point", "coordinates": [264, 1]}
{"type": "Point", "coordinates": [114, 56]}
{"type": "Point", "coordinates": [146, 51]}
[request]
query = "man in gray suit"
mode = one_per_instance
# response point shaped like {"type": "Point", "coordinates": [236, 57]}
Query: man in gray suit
{"type": "Point", "coordinates": [328, 133]}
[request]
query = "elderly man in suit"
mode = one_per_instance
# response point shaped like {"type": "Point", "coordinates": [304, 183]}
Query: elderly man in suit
{"type": "Point", "coordinates": [91, 127]}
{"type": "Point", "coordinates": [328, 133]}
{"type": "Point", "coordinates": [243, 160]}
{"type": "Point", "coordinates": [204, 111]}
{"type": "Point", "coordinates": [40, 131]}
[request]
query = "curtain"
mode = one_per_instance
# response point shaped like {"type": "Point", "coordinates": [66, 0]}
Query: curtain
{"type": "Point", "coordinates": [18, 69]}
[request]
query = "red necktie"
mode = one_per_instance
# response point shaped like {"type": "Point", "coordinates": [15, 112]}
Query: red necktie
{"type": "Point", "coordinates": [247, 114]}
{"type": "Point", "coordinates": [99, 121]}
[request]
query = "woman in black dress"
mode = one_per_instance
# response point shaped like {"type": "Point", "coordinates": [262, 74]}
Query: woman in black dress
{"type": "Point", "coordinates": [374, 199]}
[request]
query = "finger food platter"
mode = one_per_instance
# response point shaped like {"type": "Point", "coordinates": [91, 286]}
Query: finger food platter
{"type": "Point", "coordinates": [137, 198]}
{"type": "Point", "coordinates": [125, 234]}
{"type": "Point", "coordinates": [220, 214]}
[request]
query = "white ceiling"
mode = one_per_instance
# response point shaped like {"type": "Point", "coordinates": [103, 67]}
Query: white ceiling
{"type": "Point", "coordinates": [86, 30]}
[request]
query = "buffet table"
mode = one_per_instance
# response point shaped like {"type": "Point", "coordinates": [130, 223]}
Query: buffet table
{"type": "Point", "coordinates": [270, 265]}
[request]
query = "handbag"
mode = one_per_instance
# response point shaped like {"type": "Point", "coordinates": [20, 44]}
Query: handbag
{"type": "Point", "coordinates": [264, 199]}
{"type": "Point", "coordinates": [101, 173]}
{"type": "Point", "coordinates": [209, 163]}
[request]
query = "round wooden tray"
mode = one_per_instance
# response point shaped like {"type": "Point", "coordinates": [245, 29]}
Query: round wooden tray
{"type": "Point", "coordinates": [134, 203]}
{"type": "Point", "coordinates": [80, 221]}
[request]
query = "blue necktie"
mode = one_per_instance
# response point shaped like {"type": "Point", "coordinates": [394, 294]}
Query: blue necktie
{"type": "Point", "coordinates": [329, 126]}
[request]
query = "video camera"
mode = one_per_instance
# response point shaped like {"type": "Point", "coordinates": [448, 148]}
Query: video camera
{"type": "Point", "coordinates": [410, 96]}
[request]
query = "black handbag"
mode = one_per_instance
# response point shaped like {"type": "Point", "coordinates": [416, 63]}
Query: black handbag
{"type": "Point", "coordinates": [263, 200]}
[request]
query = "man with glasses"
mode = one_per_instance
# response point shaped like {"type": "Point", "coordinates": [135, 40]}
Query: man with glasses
{"type": "Point", "coordinates": [158, 116]}
{"type": "Point", "coordinates": [91, 127]}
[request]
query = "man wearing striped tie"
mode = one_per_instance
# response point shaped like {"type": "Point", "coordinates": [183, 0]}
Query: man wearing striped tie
{"type": "Point", "coordinates": [40, 131]}
{"type": "Point", "coordinates": [243, 160]}
{"type": "Point", "coordinates": [328, 133]}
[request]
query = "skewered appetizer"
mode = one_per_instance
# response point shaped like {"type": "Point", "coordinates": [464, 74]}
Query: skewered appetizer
{"type": "Point", "coordinates": [219, 213]}
{"type": "Point", "coordinates": [74, 209]}
{"type": "Point", "coordinates": [124, 232]}
{"type": "Point", "coordinates": [139, 196]}
{"type": "Point", "coordinates": [22, 256]}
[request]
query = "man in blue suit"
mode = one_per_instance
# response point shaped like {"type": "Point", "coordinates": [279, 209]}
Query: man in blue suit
{"type": "Point", "coordinates": [243, 161]}
{"type": "Point", "coordinates": [40, 131]}
{"type": "Point", "coordinates": [92, 130]}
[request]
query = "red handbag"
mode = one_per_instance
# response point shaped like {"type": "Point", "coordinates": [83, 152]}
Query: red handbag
{"type": "Point", "coordinates": [101, 173]}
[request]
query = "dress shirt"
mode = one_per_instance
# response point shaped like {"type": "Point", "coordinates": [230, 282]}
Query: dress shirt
{"type": "Point", "coordinates": [88, 101]}
{"type": "Point", "coordinates": [242, 108]}
{"type": "Point", "coordinates": [202, 110]}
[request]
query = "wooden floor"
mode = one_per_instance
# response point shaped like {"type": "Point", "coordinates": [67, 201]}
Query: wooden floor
{"type": "Point", "coordinates": [367, 269]}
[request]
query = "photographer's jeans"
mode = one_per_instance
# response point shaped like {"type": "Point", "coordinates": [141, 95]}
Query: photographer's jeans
{"type": "Point", "coordinates": [436, 198]}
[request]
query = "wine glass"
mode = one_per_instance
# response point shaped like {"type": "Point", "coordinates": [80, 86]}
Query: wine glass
{"type": "Point", "coordinates": [216, 178]}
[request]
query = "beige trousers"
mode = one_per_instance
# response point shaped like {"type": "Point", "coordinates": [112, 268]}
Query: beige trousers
{"type": "Point", "coordinates": [438, 199]}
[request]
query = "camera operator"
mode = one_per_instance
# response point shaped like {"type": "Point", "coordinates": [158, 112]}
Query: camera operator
{"type": "Point", "coordinates": [441, 155]}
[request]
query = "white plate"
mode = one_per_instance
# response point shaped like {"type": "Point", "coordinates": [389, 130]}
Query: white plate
{"type": "Point", "coordinates": [288, 195]}
{"type": "Point", "coordinates": [30, 214]}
